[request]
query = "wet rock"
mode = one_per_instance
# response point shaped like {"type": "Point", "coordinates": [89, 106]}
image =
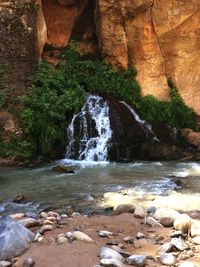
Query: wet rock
{"type": "Point", "coordinates": [195, 228]}
{"type": "Point", "coordinates": [5, 264]}
{"type": "Point", "coordinates": [137, 260]}
{"type": "Point", "coordinates": [166, 212]}
{"type": "Point", "coordinates": [183, 223]}
{"type": "Point", "coordinates": [80, 236]}
{"type": "Point", "coordinates": [196, 240]}
{"type": "Point", "coordinates": [45, 228]}
{"type": "Point", "coordinates": [167, 221]}
{"type": "Point", "coordinates": [29, 222]}
{"type": "Point", "coordinates": [43, 215]}
{"type": "Point", "coordinates": [47, 222]}
{"type": "Point", "coordinates": [14, 238]}
{"type": "Point", "coordinates": [63, 169]}
{"type": "Point", "coordinates": [104, 233]}
{"type": "Point", "coordinates": [124, 208]}
{"type": "Point", "coordinates": [153, 222]}
{"type": "Point", "coordinates": [29, 263]}
{"type": "Point", "coordinates": [167, 259]}
{"type": "Point", "coordinates": [19, 198]}
{"type": "Point", "coordinates": [139, 212]}
{"type": "Point", "coordinates": [179, 244]}
{"type": "Point", "coordinates": [129, 239]}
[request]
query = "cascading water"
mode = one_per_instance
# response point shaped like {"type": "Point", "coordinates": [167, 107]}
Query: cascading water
{"type": "Point", "coordinates": [89, 132]}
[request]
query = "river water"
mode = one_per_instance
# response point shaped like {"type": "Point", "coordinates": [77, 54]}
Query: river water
{"type": "Point", "coordinates": [91, 180]}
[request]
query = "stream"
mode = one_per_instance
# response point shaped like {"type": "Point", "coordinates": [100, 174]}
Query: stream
{"type": "Point", "coordinates": [91, 180]}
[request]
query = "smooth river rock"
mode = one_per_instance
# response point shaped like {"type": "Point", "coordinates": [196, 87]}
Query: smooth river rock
{"type": "Point", "coordinates": [137, 260]}
{"type": "Point", "coordinates": [167, 259]}
{"type": "Point", "coordinates": [166, 212]}
{"type": "Point", "coordinates": [14, 238]}
{"type": "Point", "coordinates": [183, 223]}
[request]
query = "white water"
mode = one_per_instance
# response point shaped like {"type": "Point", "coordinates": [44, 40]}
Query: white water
{"type": "Point", "coordinates": [139, 120]}
{"type": "Point", "coordinates": [92, 147]}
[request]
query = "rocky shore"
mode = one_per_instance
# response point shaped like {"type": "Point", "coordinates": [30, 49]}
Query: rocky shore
{"type": "Point", "coordinates": [131, 236]}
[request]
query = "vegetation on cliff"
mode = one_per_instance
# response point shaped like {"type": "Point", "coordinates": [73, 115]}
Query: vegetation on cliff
{"type": "Point", "coordinates": [57, 92]}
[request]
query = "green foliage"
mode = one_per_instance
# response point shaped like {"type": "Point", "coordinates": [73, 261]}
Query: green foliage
{"type": "Point", "coordinates": [57, 91]}
{"type": "Point", "coordinates": [174, 112]}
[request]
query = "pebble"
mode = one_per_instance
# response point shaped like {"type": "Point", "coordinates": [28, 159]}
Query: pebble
{"type": "Point", "coordinates": [5, 264]}
{"type": "Point", "coordinates": [45, 228]}
{"type": "Point", "coordinates": [111, 263]}
{"type": "Point", "coordinates": [37, 236]}
{"type": "Point", "coordinates": [52, 214]}
{"type": "Point", "coordinates": [129, 239]}
{"type": "Point", "coordinates": [29, 222]}
{"type": "Point", "coordinates": [151, 210]}
{"type": "Point", "coordinates": [167, 221]}
{"type": "Point", "coordinates": [122, 252]}
{"type": "Point", "coordinates": [179, 244]}
{"type": "Point", "coordinates": [140, 235]}
{"type": "Point", "coordinates": [177, 234]}
{"type": "Point", "coordinates": [43, 215]}
{"type": "Point", "coordinates": [29, 263]}
{"type": "Point", "coordinates": [62, 240]}
{"type": "Point", "coordinates": [75, 214]}
{"type": "Point", "coordinates": [77, 235]}
{"type": "Point", "coordinates": [64, 216]}
{"type": "Point", "coordinates": [196, 240]}
{"type": "Point", "coordinates": [124, 208]}
{"type": "Point", "coordinates": [139, 212]}
{"type": "Point", "coordinates": [165, 248]}
{"type": "Point", "coordinates": [104, 233]}
{"type": "Point", "coordinates": [167, 259]}
{"type": "Point", "coordinates": [47, 222]}
{"type": "Point", "coordinates": [52, 218]}
{"type": "Point", "coordinates": [153, 222]}
{"type": "Point", "coordinates": [137, 260]}
{"type": "Point", "coordinates": [183, 223]}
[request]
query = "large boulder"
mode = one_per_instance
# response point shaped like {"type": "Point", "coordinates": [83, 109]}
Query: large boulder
{"type": "Point", "coordinates": [14, 238]}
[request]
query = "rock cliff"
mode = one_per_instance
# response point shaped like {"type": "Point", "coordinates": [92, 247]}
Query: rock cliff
{"type": "Point", "coordinates": [161, 38]}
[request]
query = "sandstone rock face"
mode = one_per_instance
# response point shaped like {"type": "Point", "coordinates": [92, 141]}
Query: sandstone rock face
{"type": "Point", "coordinates": [160, 38]}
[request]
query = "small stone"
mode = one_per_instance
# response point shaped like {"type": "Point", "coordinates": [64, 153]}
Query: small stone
{"type": "Point", "coordinates": [139, 212]}
{"type": "Point", "coordinates": [43, 215]}
{"type": "Point", "coordinates": [196, 240]}
{"type": "Point", "coordinates": [122, 252]}
{"type": "Point", "coordinates": [47, 222]}
{"type": "Point", "coordinates": [112, 243]}
{"type": "Point", "coordinates": [153, 222]}
{"type": "Point", "coordinates": [140, 235]}
{"type": "Point", "coordinates": [167, 221]}
{"type": "Point", "coordinates": [64, 216]}
{"type": "Point", "coordinates": [129, 239]}
{"type": "Point", "coordinates": [45, 228]}
{"type": "Point", "coordinates": [124, 208]}
{"type": "Point", "coordinates": [177, 234]}
{"type": "Point", "coordinates": [52, 218]}
{"type": "Point", "coordinates": [52, 214]}
{"type": "Point", "coordinates": [29, 222]}
{"type": "Point", "coordinates": [104, 233]}
{"type": "Point", "coordinates": [108, 253]}
{"type": "Point", "coordinates": [62, 240]}
{"type": "Point", "coordinates": [5, 264]}
{"type": "Point", "coordinates": [183, 223]}
{"type": "Point", "coordinates": [179, 244]}
{"type": "Point", "coordinates": [77, 235]}
{"type": "Point", "coordinates": [75, 215]}
{"type": "Point", "coordinates": [165, 248]}
{"type": "Point", "coordinates": [40, 239]}
{"type": "Point", "coordinates": [167, 259]}
{"type": "Point", "coordinates": [151, 210]}
{"type": "Point", "coordinates": [111, 263]}
{"type": "Point", "coordinates": [37, 236]}
{"type": "Point", "coordinates": [190, 253]}
{"type": "Point", "coordinates": [137, 260]}
{"type": "Point", "coordinates": [29, 263]}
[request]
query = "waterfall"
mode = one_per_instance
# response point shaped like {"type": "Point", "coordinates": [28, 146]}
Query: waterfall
{"type": "Point", "coordinates": [89, 131]}
{"type": "Point", "coordinates": [143, 123]}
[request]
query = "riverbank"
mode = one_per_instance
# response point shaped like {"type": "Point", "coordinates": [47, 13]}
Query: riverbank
{"type": "Point", "coordinates": [76, 240]}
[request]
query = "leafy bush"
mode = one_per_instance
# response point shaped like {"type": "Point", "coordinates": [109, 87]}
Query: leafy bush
{"type": "Point", "coordinates": [56, 91]}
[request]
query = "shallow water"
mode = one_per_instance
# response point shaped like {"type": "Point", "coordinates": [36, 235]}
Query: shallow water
{"type": "Point", "coordinates": [41, 185]}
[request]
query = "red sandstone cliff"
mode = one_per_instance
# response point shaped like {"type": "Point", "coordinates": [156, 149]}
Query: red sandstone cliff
{"type": "Point", "coordinates": [161, 38]}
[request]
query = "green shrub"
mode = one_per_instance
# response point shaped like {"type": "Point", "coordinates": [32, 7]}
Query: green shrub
{"type": "Point", "coordinates": [57, 91]}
